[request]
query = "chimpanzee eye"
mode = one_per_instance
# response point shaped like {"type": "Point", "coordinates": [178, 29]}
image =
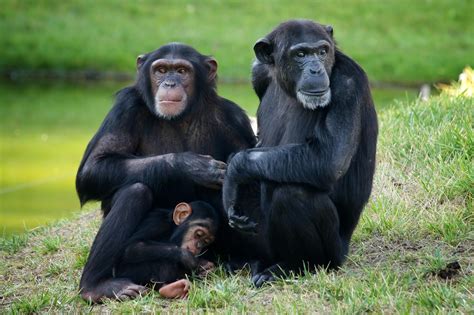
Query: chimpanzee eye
{"type": "Point", "coordinates": [181, 70]}
{"type": "Point", "coordinates": [300, 54]}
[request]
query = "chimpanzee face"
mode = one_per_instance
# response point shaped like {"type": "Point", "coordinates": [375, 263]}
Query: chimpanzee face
{"type": "Point", "coordinates": [172, 84]}
{"type": "Point", "coordinates": [302, 59]}
{"type": "Point", "coordinates": [198, 236]}
{"type": "Point", "coordinates": [172, 77]}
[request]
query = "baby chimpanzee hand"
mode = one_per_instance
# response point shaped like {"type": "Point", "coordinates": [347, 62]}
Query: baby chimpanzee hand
{"type": "Point", "coordinates": [205, 267]}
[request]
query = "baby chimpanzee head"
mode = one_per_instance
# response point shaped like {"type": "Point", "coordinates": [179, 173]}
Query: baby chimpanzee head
{"type": "Point", "coordinates": [197, 224]}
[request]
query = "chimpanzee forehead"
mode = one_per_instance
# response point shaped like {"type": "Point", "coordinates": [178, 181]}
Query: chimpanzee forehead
{"type": "Point", "coordinates": [309, 36]}
{"type": "Point", "coordinates": [201, 222]}
{"type": "Point", "coordinates": [204, 223]}
{"type": "Point", "coordinates": [294, 32]}
{"type": "Point", "coordinates": [171, 62]}
{"type": "Point", "coordinates": [309, 45]}
{"type": "Point", "coordinates": [176, 51]}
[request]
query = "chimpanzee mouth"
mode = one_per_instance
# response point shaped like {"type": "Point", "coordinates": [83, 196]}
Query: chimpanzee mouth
{"type": "Point", "coordinates": [313, 93]}
{"type": "Point", "coordinates": [170, 102]}
{"type": "Point", "coordinates": [314, 99]}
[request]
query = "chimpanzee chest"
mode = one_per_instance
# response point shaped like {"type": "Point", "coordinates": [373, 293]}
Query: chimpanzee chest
{"type": "Point", "coordinates": [167, 138]}
{"type": "Point", "coordinates": [287, 122]}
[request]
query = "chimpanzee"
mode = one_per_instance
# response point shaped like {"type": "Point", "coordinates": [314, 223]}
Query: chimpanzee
{"type": "Point", "coordinates": [316, 154]}
{"type": "Point", "coordinates": [166, 247]}
{"type": "Point", "coordinates": [164, 141]}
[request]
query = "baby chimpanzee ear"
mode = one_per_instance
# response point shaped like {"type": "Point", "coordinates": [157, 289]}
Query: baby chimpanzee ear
{"type": "Point", "coordinates": [181, 212]}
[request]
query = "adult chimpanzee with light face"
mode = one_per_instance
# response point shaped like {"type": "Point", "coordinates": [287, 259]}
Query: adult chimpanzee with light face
{"type": "Point", "coordinates": [163, 142]}
{"type": "Point", "coordinates": [316, 154]}
{"type": "Point", "coordinates": [166, 248]}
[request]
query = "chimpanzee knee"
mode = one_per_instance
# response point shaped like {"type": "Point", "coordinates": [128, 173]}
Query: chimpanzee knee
{"type": "Point", "coordinates": [136, 198]}
{"type": "Point", "coordinates": [129, 206]}
{"type": "Point", "coordinates": [303, 223]}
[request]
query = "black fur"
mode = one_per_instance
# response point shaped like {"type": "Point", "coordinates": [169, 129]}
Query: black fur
{"type": "Point", "coordinates": [153, 254]}
{"type": "Point", "coordinates": [315, 166]}
{"type": "Point", "coordinates": [137, 161]}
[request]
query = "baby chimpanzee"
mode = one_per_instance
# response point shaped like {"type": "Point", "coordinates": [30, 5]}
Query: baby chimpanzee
{"type": "Point", "coordinates": [165, 248]}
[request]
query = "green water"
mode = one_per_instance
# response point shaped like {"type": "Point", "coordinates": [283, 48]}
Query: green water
{"type": "Point", "coordinates": [44, 129]}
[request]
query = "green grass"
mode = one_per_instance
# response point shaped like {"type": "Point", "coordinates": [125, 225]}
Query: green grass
{"type": "Point", "coordinates": [420, 219]}
{"type": "Point", "coordinates": [50, 244]}
{"type": "Point", "coordinates": [396, 41]}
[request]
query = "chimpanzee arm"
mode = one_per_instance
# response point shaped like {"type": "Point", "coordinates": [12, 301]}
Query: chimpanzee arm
{"type": "Point", "coordinates": [319, 162]}
{"type": "Point", "coordinates": [110, 160]}
{"type": "Point", "coordinates": [149, 251]}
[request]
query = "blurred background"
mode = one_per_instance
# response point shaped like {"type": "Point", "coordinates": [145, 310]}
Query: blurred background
{"type": "Point", "coordinates": [62, 61]}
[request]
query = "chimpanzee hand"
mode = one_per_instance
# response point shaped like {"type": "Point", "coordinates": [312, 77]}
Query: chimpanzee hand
{"type": "Point", "coordinates": [202, 169]}
{"type": "Point", "coordinates": [188, 260]}
{"type": "Point", "coordinates": [237, 173]}
{"type": "Point", "coordinates": [205, 267]}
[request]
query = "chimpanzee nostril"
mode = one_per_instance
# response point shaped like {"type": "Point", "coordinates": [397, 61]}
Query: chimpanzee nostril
{"type": "Point", "coordinates": [169, 84]}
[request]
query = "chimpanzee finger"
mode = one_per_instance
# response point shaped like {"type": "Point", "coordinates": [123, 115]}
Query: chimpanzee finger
{"type": "Point", "coordinates": [206, 156]}
{"type": "Point", "coordinates": [219, 164]}
{"type": "Point", "coordinates": [222, 178]}
{"type": "Point", "coordinates": [262, 278]}
{"type": "Point", "coordinates": [131, 292]}
{"type": "Point", "coordinates": [243, 224]}
{"type": "Point", "coordinates": [126, 294]}
{"type": "Point", "coordinates": [187, 285]}
{"type": "Point", "coordinates": [240, 220]}
{"type": "Point", "coordinates": [138, 288]}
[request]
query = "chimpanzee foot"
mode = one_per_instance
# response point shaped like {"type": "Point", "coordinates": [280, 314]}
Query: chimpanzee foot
{"type": "Point", "coordinates": [117, 289]}
{"type": "Point", "coordinates": [176, 290]}
{"type": "Point", "coordinates": [271, 273]}
{"type": "Point", "coordinates": [262, 278]}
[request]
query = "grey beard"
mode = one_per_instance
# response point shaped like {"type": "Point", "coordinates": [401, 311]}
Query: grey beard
{"type": "Point", "coordinates": [313, 102]}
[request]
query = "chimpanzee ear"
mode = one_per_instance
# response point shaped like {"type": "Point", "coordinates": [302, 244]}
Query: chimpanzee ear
{"type": "Point", "coordinates": [212, 67]}
{"type": "Point", "coordinates": [181, 212]}
{"type": "Point", "coordinates": [329, 29]}
{"type": "Point", "coordinates": [140, 61]}
{"type": "Point", "coordinates": [263, 50]}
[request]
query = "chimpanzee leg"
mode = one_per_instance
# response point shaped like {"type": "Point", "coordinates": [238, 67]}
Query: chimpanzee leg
{"type": "Point", "coordinates": [129, 206]}
{"type": "Point", "coordinates": [302, 228]}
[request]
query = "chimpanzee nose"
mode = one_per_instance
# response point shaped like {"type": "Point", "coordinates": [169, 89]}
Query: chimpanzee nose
{"type": "Point", "coordinates": [169, 84]}
{"type": "Point", "coordinates": [315, 70]}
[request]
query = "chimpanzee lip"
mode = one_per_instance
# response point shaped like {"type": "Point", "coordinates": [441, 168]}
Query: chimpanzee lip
{"type": "Point", "coordinates": [170, 101]}
{"type": "Point", "coordinates": [313, 93]}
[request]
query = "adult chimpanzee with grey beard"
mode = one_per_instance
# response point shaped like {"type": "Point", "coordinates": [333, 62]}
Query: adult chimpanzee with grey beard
{"type": "Point", "coordinates": [163, 142]}
{"type": "Point", "coordinates": [316, 154]}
